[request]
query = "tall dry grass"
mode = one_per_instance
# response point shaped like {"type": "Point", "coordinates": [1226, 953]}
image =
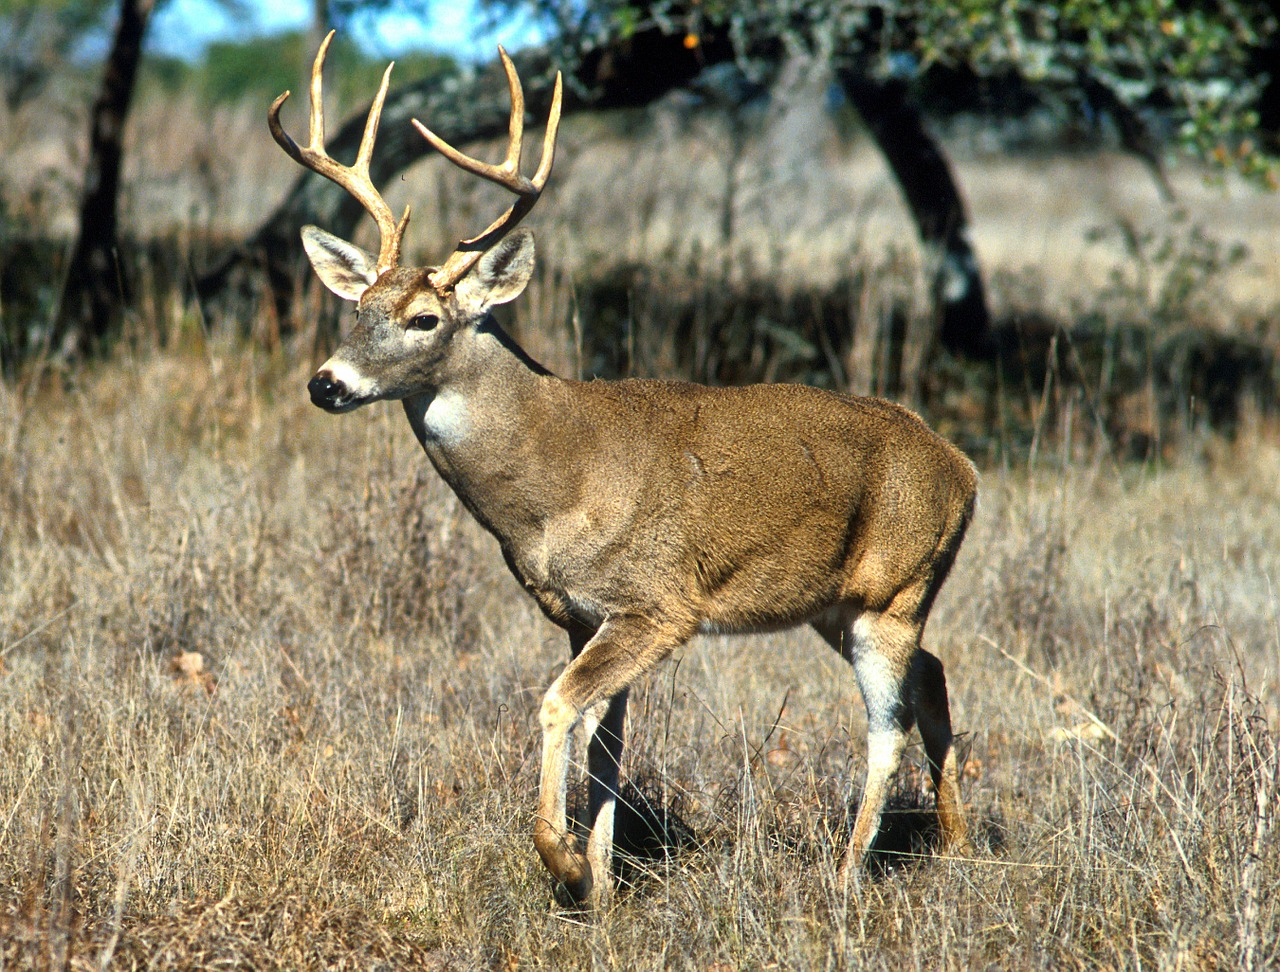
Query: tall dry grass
{"type": "Point", "coordinates": [346, 775]}
{"type": "Point", "coordinates": [268, 698]}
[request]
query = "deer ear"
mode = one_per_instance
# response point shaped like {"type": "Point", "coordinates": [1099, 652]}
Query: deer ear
{"type": "Point", "coordinates": [501, 274]}
{"type": "Point", "coordinates": [343, 267]}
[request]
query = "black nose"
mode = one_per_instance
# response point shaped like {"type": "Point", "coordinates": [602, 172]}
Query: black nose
{"type": "Point", "coordinates": [324, 390]}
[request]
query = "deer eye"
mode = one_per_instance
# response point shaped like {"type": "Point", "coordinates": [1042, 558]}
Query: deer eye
{"type": "Point", "coordinates": [422, 322]}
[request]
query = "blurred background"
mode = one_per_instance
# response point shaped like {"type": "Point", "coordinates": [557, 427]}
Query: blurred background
{"type": "Point", "coordinates": [835, 193]}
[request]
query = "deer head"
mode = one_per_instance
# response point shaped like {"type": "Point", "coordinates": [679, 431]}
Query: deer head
{"type": "Point", "coordinates": [408, 320]}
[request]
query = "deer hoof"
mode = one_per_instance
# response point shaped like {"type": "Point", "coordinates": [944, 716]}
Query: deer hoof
{"type": "Point", "coordinates": [574, 887]}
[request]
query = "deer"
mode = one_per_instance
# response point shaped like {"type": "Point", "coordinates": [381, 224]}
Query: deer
{"type": "Point", "coordinates": [639, 513]}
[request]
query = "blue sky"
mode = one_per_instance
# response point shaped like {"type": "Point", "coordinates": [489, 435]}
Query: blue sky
{"type": "Point", "coordinates": [185, 27]}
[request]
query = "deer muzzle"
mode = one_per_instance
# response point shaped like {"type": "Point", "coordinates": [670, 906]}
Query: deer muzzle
{"type": "Point", "coordinates": [339, 387]}
{"type": "Point", "coordinates": [331, 393]}
{"type": "Point", "coordinates": [325, 392]}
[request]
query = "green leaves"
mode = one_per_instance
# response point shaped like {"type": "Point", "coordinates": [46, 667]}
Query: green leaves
{"type": "Point", "coordinates": [1189, 63]}
{"type": "Point", "coordinates": [1188, 68]}
{"type": "Point", "coordinates": [264, 66]}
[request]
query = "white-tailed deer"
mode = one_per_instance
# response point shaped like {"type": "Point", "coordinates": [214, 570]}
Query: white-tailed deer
{"type": "Point", "coordinates": [639, 513]}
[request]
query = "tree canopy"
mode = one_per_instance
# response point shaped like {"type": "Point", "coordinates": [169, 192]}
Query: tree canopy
{"type": "Point", "coordinates": [262, 67]}
{"type": "Point", "coordinates": [1183, 70]}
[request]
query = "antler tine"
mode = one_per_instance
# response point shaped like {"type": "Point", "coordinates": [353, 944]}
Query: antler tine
{"type": "Point", "coordinates": [354, 178]}
{"type": "Point", "coordinates": [506, 174]}
{"type": "Point", "coordinates": [549, 139]}
{"type": "Point", "coordinates": [315, 127]}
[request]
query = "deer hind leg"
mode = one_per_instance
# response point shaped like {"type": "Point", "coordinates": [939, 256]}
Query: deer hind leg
{"type": "Point", "coordinates": [933, 716]}
{"type": "Point", "coordinates": [876, 646]}
{"type": "Point", "coordinates": [881, 652]}
{"type": "Point", "coordinates": [880, 648]}
{"type": "Point", "coordinates": [604, 762]}
{"type": "Point", "coordinates": [619, 652]}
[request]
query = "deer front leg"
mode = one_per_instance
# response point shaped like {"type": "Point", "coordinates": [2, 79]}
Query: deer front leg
{"type": "Point", "coordinates": [550, 831]}
{"type": "Point", "coordinates": [621, 650]}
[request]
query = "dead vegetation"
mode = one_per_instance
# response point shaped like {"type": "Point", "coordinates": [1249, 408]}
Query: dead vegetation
{"type": "Point", "coordinates": [268, 698]}
{"type": "Point", "coordinates": [345, 776]}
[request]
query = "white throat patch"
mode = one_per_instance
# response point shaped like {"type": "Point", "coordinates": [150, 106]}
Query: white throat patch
{"type": "Point", "coordinates": [447, 418]}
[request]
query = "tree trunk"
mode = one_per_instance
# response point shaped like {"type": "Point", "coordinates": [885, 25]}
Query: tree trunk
{"type": "Point", "coordinates": [470, 107]}
{"type": "Point", "coordinates": [633, 73]}
{"type": "Point", "coordinates": [922, 172]}
{"type": "Point", "coordinates": [93, 294]}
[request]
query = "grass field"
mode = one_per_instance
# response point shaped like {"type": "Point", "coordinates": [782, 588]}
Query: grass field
{"type": "Point", "coordinates": [349, 780]}
{"type": "Point", "coordinates": [268, 697]}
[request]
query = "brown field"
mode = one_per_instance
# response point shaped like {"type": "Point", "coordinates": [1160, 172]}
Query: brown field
{"type": "Point", "coordinates": [345, 776]}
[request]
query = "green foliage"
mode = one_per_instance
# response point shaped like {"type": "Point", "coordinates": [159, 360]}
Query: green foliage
{"type": "Point", "coordinates": [79, 10]}
{"type": "Point", "coordinates": [38, 37]}
{"type": "Point", "coordinates": [1189, 65]}
{"type": "Point", "coordinates": [164, 72]}
{"type": "Point", "coordinates": [265, 66]}
{"type": "Point", "coordinates": [1190, 62]}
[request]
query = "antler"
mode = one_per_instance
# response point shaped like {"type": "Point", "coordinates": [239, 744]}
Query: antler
{"type": "Point", "coordinates": [355, 178]}
{"type": "Point", "coordinates": [506, 174]}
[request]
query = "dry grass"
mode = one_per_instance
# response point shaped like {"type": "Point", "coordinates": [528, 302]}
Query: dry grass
{"type": "Point", "coordinates": [268, 698]}
{"type": "Point", "coordinates": [350, 780]}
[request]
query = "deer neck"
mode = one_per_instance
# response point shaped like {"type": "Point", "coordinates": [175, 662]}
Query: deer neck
{"type": "Point", "coordinates": [489, 426]}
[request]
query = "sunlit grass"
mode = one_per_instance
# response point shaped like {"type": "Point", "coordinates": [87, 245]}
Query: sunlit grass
{"type": "Point", "coordinates": [352, 779]}
{"type": "Point", "coordinates": [268, 697]}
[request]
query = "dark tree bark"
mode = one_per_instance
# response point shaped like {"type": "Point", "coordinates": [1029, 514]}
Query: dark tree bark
{"type": "Point", "coordinates": [922, 172]}
{"type": "Point", "coordinates": [93, 296]}
{"type": "Point", "coordinates": [632, 73]}
{"type": "Point", "coordinates": [470, 107]}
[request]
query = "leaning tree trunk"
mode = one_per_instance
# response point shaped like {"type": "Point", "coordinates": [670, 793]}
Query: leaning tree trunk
{"type": "Point", "coordinates": [632, 73]}
{"type": "Point", "coordinates": [922, 172]}
{"type": "Point", "coordinates": [470, 107]}
{"type": "Point", "coordinates": [92, 295]}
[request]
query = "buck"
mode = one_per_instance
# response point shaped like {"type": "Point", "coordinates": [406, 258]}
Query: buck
{"type": "Point", "coordinates": [639, 513]}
